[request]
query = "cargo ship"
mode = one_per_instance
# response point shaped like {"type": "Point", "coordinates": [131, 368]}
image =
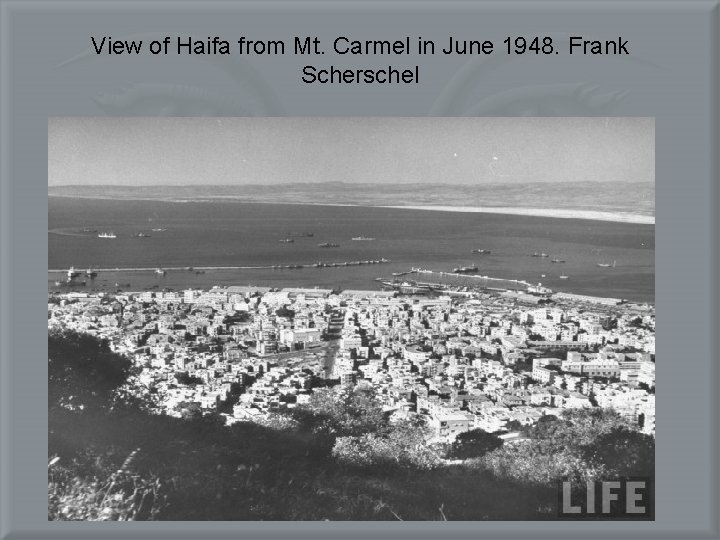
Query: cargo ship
{"type": "Point", "coordinates": [107, 235]}
{"type": "Point", "coordinates": [465, 270]}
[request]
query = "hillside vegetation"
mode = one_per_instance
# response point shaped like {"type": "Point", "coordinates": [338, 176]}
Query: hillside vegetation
{"type": "Point", "coordinates": [338, 458]}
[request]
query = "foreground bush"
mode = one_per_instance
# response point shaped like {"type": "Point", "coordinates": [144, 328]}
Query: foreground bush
{"type": "Point", "coordinates": [404, 446]}
{"type": "Point", "coordinates": [121, 496]}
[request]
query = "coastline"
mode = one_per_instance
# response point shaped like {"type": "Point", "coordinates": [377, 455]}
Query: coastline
{"type": "Point", "coordinates": [559, 213]}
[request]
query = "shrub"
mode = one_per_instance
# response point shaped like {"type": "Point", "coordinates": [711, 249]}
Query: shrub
{"type": "Point", "coordinates": [474, 443]}
{"type": "Point", "coordinates": [403, 446]}
{"type": "Point", "coordinates": [123, 496]}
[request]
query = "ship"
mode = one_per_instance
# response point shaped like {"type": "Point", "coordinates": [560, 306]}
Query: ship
{"type": "Point", "coordinates": [160, 271]}
{"type": "Point", "coordinates": [142, 235]}
{"type": "Point", "coordinates": [107, 235]}
{"type": "Point", "coordinates": [482, 251]}
{"type": "Point", "coordinates": [159, 230]}
{"type": "Point", "coordinates": [328, 245]}
{"type": "Point", "coordinates": [465, 270]}
{"type": "Point", "coordinates": [606, 265]}
{"type": "Point", "coordinates": [70, 283]}
{"type": "Point", "coordinates": [91, 273]}
{"type": "Point", "coordinates": [72, 273]}
{"type": "Point", "coordinates": [301, 234]}
{"type": "Point", "coordinates": [558, 260]}
{"type": "Point", "coordinates": [407, 287]}
{"type": "Point", "coordinates": [362, 238]}
{"type": "Point", "coordinates": [564, 277]}
{"type": "Point", "coordinates": [286, 241]}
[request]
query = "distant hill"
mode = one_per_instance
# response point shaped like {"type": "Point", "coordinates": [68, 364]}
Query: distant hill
{"type": "Point", "coordinates": [612, 197]}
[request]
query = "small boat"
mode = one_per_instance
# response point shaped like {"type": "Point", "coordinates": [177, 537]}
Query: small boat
{"type": "Point", "coordinates": [558, 260]}
{"type": "Point", "coordinates": [564, 277]}
{"type": "Point", "coordinates": [160, 271]}
{"type": "Point", "coordinates": [142, 235]}
{"type": "Point", "coordinates": [482, 251]}
{"type": "Point", "coordinates": [328, 245]}
{"type": "Point", "coordinates": [362, 238]}
{"type": "Point", "coordinates": [607, 265]}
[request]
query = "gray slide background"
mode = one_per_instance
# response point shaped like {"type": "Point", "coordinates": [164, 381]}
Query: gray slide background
{"type": "Point", "coordinates": [671, 75]}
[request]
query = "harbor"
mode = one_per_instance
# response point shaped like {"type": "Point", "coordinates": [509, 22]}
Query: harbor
{"type": "Point", "coordinates": [164, 269]}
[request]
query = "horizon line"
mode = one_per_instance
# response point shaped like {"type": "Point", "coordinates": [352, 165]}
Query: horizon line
{"type": "Point", "coordinates": [365, 183]}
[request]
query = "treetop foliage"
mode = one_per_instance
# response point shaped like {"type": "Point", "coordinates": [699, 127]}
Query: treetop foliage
{"type": "Point", "coordinates": [83, 371]}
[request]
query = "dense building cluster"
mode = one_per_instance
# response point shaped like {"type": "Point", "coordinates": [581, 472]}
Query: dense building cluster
{"type": "Point", "coordinates": [492, 360]}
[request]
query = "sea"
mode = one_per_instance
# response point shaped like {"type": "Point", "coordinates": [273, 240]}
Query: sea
{"type": "Point", "coordinates": [202, 244]}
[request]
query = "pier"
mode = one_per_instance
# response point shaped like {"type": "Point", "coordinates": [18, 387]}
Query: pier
{"type": "Point", "coordinates": [340, 264]}
{"type": "Point", "coordinates": [469, 276]}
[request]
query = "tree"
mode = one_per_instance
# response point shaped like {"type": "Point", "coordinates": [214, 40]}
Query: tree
{"type": "Point", "coordinates": [624, 452]}
{"type": "Point", "coordinates": [403, 445]}
{"type": "Point", "coordinates": [345, 410]}
{"type": "Point", "coordinates": [474, 443]}
{"type": "Point", "coordinates": [285, 312]}
{"type": "Point", "coordinates": [83, 372]}
{"type": "Point", "coordinates": [184, 378]}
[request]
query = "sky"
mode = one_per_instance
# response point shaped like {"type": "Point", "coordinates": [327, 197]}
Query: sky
{"type": "Point", "coordinates": [237, 151]}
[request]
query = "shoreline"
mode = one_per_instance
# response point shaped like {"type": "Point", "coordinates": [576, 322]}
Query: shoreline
{"type": "Point", "coordinates": [558, 213]}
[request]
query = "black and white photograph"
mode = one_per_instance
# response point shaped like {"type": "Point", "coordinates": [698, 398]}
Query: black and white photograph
{"type": "Point", "coordinates": [351, 318]}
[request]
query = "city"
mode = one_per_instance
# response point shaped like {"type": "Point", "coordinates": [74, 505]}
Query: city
{"type": "Point", "coordinates": [491, 359]}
